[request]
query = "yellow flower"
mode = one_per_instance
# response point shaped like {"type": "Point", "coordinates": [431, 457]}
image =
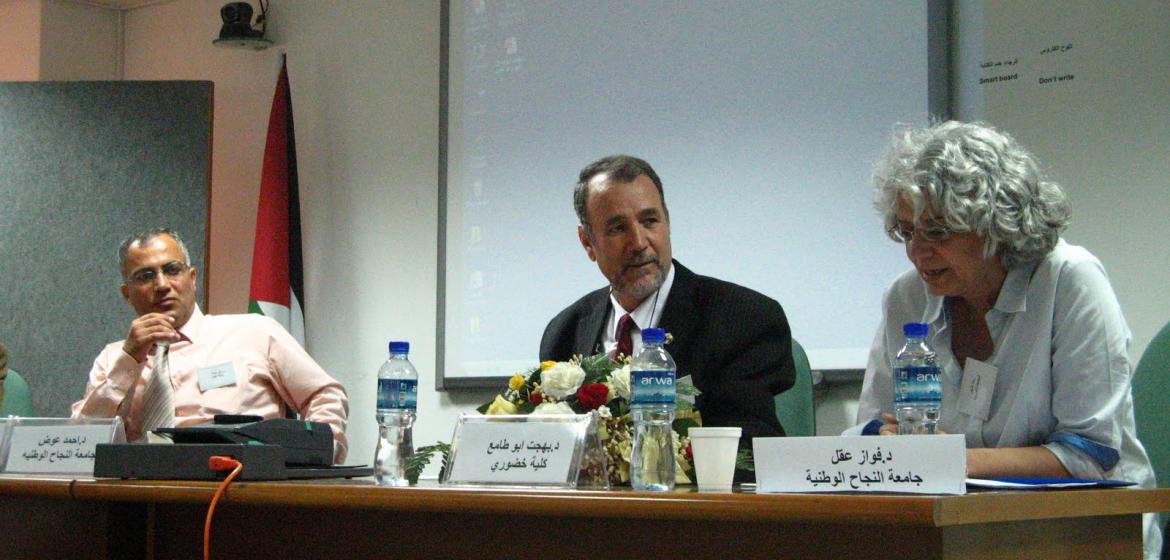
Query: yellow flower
{"type": "Point", "coordinates": [501, 406]}
{"type": "Point", "coordinates": [547, 364]}
{"type": "Point", "coordinates": [516, 383]}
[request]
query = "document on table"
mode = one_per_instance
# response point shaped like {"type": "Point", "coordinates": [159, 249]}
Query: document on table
{"type": "Point", "coordinates": [1043, 483]}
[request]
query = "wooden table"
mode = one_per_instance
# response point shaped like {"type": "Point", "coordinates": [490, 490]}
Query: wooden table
{"type": "Point", "coordinates": [349, 519]}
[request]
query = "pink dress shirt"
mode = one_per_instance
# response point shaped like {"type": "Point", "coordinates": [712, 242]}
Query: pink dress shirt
{"type": "Point", "coordinates": [271, 369]}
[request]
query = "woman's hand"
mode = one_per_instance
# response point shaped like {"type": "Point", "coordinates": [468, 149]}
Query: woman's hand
{"type": "Point", "coordinates": [889, 425]}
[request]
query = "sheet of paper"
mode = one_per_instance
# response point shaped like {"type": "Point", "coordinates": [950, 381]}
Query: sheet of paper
{"type": "Point", "coordinates": [911, 464]}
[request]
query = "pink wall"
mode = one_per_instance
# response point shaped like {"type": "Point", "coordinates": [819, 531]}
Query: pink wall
{"type": "Point", "coordinates": [20, 40]}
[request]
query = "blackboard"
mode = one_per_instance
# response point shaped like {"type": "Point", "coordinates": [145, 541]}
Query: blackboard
{"type": "Point", "coordinates": [82, 165]}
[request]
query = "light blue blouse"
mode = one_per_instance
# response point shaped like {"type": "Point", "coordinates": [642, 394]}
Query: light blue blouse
{"type": "Point", "coordinates": [1061, 350]}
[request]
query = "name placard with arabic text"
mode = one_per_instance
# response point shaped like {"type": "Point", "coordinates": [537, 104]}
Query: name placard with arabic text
{"type": "Point", "coordinates": [531, 450]}
{"type": "Point", "coordinates": [59, 448]}
{"type": "Point", "coordinates": [909, 464]}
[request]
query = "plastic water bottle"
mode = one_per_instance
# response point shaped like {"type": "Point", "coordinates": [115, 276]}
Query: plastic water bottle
{"type": "Point", "coordinates": [397, 402]}
{"type": "Point", "coordinates": [652, 408]}
{"type": "Point", "coordinates": [917, 383]}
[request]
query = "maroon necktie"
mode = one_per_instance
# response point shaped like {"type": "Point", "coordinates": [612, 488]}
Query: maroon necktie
{"type": "Point", "coordinates": [625, 344]}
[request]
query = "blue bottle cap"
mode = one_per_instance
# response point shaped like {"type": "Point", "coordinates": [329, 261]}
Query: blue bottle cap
{"type": "Point", "coordinates": [653, 336]}
{"type": "Point", "coordinates": [915, 330]}
{"type": "Point", "coordinates": [399, 347]}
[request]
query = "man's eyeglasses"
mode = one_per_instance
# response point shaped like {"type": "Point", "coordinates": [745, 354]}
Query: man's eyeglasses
{"type": "Point", "coordinates": [145, 276]}
{"type": "Point", "coordinates": [905, 233]}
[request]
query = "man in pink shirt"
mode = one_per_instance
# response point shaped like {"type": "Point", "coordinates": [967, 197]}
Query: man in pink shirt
{"type": "Point", "coordinates": [218, 364]}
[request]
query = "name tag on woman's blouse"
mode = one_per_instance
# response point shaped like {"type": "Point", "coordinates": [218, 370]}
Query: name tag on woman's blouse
{"type": "Point", "coordinates": [976, 389]}
{"type": "Point", "coordinates": [214, 377]}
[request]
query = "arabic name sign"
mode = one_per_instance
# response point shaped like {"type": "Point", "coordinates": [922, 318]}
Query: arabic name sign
{"type": "Point", "coordinates": [55, 449]}
{"type": "Point", "coordinates": [908, 464]}
{"type": "Point", "coordinates": [533, 450]}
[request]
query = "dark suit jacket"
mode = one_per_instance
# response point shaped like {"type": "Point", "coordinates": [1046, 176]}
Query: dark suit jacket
{"type": "Point", "coordinates": [733, 342]}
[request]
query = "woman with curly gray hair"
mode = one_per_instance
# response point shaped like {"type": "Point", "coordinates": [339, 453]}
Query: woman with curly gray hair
{"type": "Point", "coordinates": [1025, 323]}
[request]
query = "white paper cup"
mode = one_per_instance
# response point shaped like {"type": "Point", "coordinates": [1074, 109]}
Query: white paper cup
{"type": "Point", "coordinates": [714, 451]}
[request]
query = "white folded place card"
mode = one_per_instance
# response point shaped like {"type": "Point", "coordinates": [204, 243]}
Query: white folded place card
{"type": "Point", "coordinates": [56, 445]}
{"type": "Point", "coordinates": [526, 450]}
{"type": "Point", "coordinates": [911, 464]}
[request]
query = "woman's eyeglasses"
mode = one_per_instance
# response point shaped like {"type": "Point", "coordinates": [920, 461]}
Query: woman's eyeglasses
{"type": "Point", "coordinates": [906, 233]}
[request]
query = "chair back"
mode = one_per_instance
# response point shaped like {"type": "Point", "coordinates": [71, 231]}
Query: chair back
{"type": "Point", "coordinates": [1151, 396]}
{"type": "Point", "coordinates": [17, 397]}
{"type": "Point", "coordinates": [794, 407]}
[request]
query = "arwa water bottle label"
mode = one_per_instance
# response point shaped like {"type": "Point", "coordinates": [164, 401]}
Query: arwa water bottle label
{"type": "Point", "coordinates": [917, 383]}
{"type": "Point", "coordinates": [652, 387]}
{"type": "Point", "coordinates": [397, 393]}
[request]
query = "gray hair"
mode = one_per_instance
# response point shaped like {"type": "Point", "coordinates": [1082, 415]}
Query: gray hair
{"type": "Point", "coordinates": [144, 236]}
{"type": "Point", "coordinates": [973, 178]}
{"type": "Point", "coordinates": [621, 168]}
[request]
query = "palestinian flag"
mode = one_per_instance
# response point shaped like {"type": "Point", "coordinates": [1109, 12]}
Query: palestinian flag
{"type": "Point", "coordinates": [278, 283]}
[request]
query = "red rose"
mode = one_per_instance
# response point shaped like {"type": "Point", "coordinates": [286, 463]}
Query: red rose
{"type": "Point", "coordinates": [593, 395]}
{"type": "Point", "coordinates": [535, 398]}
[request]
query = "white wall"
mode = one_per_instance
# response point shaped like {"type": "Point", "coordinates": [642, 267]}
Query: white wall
{"type": "Point", "coordinates": [365, 83]}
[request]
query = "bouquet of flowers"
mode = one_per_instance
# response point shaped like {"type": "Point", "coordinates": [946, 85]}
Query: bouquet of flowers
{"type": "Point", "coordinates": [585, 384]}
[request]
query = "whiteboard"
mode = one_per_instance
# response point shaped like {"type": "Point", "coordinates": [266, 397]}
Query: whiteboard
{"type": "Point", "coordinates": [1086, 87]}
{"type": "Point", "coordinates": [762, 119]}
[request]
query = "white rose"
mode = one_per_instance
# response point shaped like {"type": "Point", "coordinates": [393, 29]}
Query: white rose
{"type": "Point", "coordinates": [619, 382]}
{"type": "Point", "coordinates": [554, 408]}
{"type": "Point", "coordinates": [604, 411]}
{"type": "Point", "coordinates": [562, 380]}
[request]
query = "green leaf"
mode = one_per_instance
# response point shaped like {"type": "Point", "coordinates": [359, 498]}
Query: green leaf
{"type": "Point", "coordinates": [598, 361]}
{"type": "Point", "coordinates": [595, 377]}
{"type": "Point", "coordinates": [525, 407]}
{"type": "Point", "coordinates": [682, 425]}
{"type": "Point", "coordinates": [422, 457]}
{"type": "Point", "coordinates": [597, 368]}
{"type": "Point", "coordinates": [534, 376]}
{"type": "Point", "coordinates": [484, 407]}
{"type": "Point", "coordinates": [687, 389]}
{"type": "Point", "coordinates": [745, 461]}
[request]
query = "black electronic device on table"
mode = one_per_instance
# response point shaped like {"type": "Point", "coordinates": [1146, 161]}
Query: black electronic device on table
{"type": "Point", "coordinates": [273, 449]}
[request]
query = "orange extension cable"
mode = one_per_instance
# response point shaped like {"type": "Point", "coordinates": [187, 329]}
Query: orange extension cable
{"type": "Point", "coordinates": [218, 463]}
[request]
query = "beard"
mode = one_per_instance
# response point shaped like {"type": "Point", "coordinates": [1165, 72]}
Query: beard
{"type": "Point", "coordinates": [642, 286]}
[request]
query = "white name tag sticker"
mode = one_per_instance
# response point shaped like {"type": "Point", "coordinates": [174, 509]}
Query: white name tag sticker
{"type": "Point", "coordinates": [58, 447]}
{"type": "Point", "coordinates": [214, 377]}
{"type": "Point", "coordinates": [532, 450]}
{"type": "Point", "coordinates": [976, 389]}
{"type": "Point", "coordinates": [909, 464]}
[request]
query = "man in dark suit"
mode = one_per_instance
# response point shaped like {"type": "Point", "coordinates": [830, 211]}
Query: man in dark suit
{"type": "Point", "coordinates": [734, 342]}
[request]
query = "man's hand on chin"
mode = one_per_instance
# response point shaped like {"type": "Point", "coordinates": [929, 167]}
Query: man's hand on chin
{"type": "Point", "coordinates": [147, 330]}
